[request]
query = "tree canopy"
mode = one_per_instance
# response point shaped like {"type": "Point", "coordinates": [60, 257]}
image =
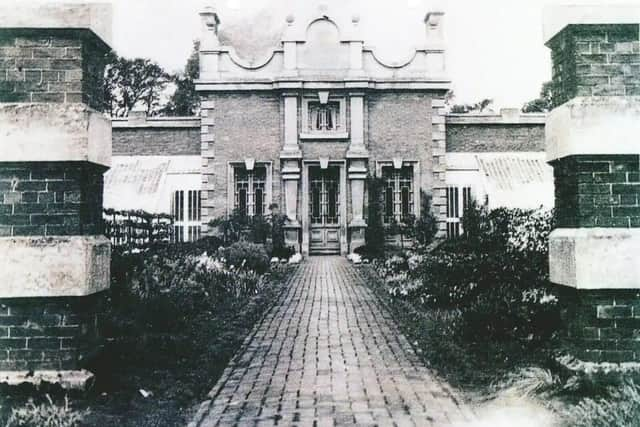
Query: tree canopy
{"type": "Point", "coordinates": [185, 101]}
{"type": "Point", "coordinates": [133, 82]}
{"type": "Point", "coordinates": [478, 107]}
{"type": "Point", "coordinates": [544, 103]}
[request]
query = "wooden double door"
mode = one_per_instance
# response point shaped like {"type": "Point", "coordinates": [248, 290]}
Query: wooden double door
{"type": "Point", "coordinates": [324, 210]}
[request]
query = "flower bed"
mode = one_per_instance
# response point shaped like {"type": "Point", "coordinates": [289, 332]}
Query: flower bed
{"type": "Point", "coordinates": [480, 311]}
{"type": "Point", "coordinates": [177, 314]}
{"type": "Point", "coordinates": [479, 305]}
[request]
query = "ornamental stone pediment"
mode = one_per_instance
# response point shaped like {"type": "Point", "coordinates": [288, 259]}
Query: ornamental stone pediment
{"type": "Point", "coordinates": [320, 47]}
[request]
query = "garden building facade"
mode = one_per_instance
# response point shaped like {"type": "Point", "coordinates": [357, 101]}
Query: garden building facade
{"type": "Point", "coordinates": [303, 128]}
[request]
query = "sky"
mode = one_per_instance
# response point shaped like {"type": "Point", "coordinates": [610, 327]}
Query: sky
{"type": "Point", "coordinates": [495, 48]}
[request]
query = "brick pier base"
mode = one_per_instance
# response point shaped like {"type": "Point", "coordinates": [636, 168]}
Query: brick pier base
{"type": "Point", "coordinates": [48, 333]}
{"type": "Point", "coordinates": [602, 325]}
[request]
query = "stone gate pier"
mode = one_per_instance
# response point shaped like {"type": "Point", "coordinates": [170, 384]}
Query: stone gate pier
{"type": "Point", "coordinates": [55, 146]}
{"type": "Point", "coordinates": [593, 144]}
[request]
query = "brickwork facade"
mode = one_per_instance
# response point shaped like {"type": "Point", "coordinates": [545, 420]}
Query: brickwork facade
{"type": "Point", "coordinates": [597, 191]}
{"type": "Point", "coordinates": [596, 60]}
{"type": "Point", "coordinates": [302, 115]}
{"type": "Point", "coordinates": [481, 137]}
{"type": "Point", "coordinates": [38, 67]}
{"type": "Point", "coordinates": [241, 126]}
{"type": "Point", "coordinates": [157, 141]}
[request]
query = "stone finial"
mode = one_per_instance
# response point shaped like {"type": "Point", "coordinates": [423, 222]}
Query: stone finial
{"type": "Point", "coordinates": [290, 31]}
{"type": "Point", "coordinates": [210, 26]}
{"type": "Point", "coordinates": [434, 27]}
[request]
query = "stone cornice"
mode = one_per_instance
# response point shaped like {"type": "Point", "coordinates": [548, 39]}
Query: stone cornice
{"type": "Point", "coordinates": [360, 84]}
{"type": "Point", "coordinates": [95, 17]}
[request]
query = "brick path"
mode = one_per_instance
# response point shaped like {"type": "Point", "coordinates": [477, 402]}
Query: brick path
{"type": "Point", "coordinates": [327, 355]}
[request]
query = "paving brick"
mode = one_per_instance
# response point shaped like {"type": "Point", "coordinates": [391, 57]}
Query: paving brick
{"type": "Point", "coordinates": [329, 354]}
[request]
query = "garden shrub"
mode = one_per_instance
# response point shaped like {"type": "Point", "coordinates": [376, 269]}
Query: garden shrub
{"type": "Point", "coordinates": [246, 255]}
{"type": "Point", "coordinates": [424, 228]}
{"type": "Point", "coordinates": [159, 290]}
{"type": "Point", "coordinates": [263, 229]}
{"type": "Point", "coordinates": [496, 274]}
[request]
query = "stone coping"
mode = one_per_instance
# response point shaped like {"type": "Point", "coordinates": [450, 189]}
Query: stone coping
{"type": "Point", "coordinates": [59, 266]}
{"type": "Point", "coordinates": [496, 119]}
{"type": "Point", "coordinates": [557, 17]}
{"type": "Point", "coordinates": [45, 132]}
{"type": "Point", "coordinates": [81, 380]}
{"type": "Point", "coordinates": [594, 125]}
{"type": "Point", "coordinates": [96, 17]}
{"type": "Point", "coordinates": [595, 258]}
{"type": "Point", "coordinates": [156, 122]}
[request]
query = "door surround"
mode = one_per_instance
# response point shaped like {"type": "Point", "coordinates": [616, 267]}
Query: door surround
{"type": "Point", "coordinates": [342, 221]}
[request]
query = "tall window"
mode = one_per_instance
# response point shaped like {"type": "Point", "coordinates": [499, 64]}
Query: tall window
{"type": "Point", "coordinates": [398, 193]}
{"type": "Point", "coordinates": [250, 190]}
{"type": "Point", "coordinates": [458, 199]}
{"type": "Point", "coordinates": [187, 217]}
{"type": "Point", "coordinates": [324, 117]}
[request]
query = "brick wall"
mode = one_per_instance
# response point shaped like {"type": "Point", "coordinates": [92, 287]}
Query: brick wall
{"type": "Point", "coordinates": [602, 325]}
{"type": "Point", "coordinates": [399, 125]}
{"type": "Point", "coordinates": [47, 333]}
{"type": "Point", "coordinates": [245, 125]}
{"type": "Point", "coordinates": [36, 67]}
{"type": "Point", "coordinates": [156, 141]}
{"type": "Point", "coordinates": [49, 199]}
{"type": "Point", "coordinates": [495, 137]}
{"type": "Point", "coordinates": [597, 191]}
{"type": "Point", "coordinates": [596, 60]}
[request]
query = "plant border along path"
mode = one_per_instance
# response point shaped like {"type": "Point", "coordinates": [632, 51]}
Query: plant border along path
{"type": "Point", "coordinates": [329, 354]}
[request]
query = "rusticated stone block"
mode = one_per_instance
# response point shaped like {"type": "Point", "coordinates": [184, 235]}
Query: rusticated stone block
{"type": "Point", "coordinates": [54, 132]}
{"type": "Point", "coordinates": [66, 266]}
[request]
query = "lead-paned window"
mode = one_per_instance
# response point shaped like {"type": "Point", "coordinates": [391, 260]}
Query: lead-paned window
{"type": "Point", "coordinates": [398, 193]}
{"type": "Point", "coordinates": [250, 190]}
